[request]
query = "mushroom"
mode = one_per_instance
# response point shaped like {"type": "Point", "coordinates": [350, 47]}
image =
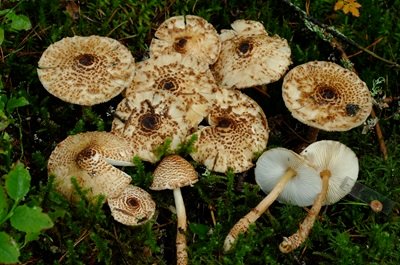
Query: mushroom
{"type": "Point", "coordinates": [174, 172]}
{"type": "Point", "coordinates": [250, 57]}
{"type": "Point", "coordinates": [147, 119]}
{"type": "Point", "coordinates": [184, 77]}
{"type": "Point", "coordinates": [237, 131]}
{"type": "Point", "coordinates": [188, 35]}
{"type": "Point", "coordinates": [283, 175]}
{"type": "Point", "coordinates": [337, 165]}
{"type": "Point", "coordinates": [86, 70]}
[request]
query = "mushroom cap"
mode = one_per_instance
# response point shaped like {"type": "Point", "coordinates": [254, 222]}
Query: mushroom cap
{"type": "Point", "coordinates": [173, 172]}
{"type": "Point", "coordinates": [134, 206]}
{"type": "Point", "coordinates": [147, 119]}
{"type": "Point", "coordinates": [86, 157]}
{"type": "Point", "coordinates": [86, 70]}
{"type": "Point", "coordinates": [340, 160]}
{"type": "Point", "coordinates": [184, 77]}
{"type": "Point", "coordinates": [301, 190]}
{"type": "Point", "coordinates": [188, 35]}
{"type": "Point", "coordinates": [250, 57]}
{"type": "Point", "coordinates": [237, 131]}
{"type": "Point", "coordinates": [326, 96]}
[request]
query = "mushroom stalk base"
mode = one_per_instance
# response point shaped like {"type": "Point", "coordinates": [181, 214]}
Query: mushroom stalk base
{"type": "Point", "coordinates": [181, 245]}
{"type": "Point", "coordinates": [294, 241]}
{"type": "Point", "coordinates": [243, 224]}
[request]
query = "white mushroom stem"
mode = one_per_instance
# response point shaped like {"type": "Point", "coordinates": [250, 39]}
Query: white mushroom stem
{"type": "Point", "coordinates": [294, 241]}
{"type": "Point", "coordinates": [119, 163]}
{"type": "Point", "coordinates": [243, 224]}
{"type": "Point", "coordinates": [181, 251]}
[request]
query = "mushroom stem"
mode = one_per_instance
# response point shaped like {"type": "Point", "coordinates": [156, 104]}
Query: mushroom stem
{"type": "Point", "coordinates": [312, 134]}
{"type": "Point", "coordinates": [294, 241]}
{"type": "Point", "coordinates": [119, 163]}
{"type": "Point", "coordinates": [181, 252]}
{"type": "Point", "coordinates": [243, 224]}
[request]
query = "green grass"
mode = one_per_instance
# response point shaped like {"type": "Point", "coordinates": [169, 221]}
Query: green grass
{"type": "Point", "coordinates": [32, 122]}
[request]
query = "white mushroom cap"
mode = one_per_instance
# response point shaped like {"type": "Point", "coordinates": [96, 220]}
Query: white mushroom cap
{"type": "Point", "coordinates": [301, 190]}
{"type": "Point", "coordinates": [189, 35]}
{"type": "Point", "coordinates": [147, 119]}
{"type": "Point", "coordinates": [86, 70]}
{"type": "Point", "coordinates": [134, 206]}
{"type": "Point", "coordinates": [340, 160]}
{"type": "Point", "coordinates": [326, 96]}
{"type": "Point", "coordinates": [86, 157]}
{"type": "Point", "coordinates": [250, 57]}
{"type": "Point", "coordinates": [173, 172]}
{"type": "Point", "coordinates": [237, 130]}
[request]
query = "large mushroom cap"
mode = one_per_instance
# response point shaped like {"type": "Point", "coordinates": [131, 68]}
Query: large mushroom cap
{"type": "Point", "coordinates": [237, 131]}
{"type": "Point", "coordinates": [340, 160]}
{"type": "Point", "coordinates": [134, 206]}
{"type": "Point", "coordinates": [326, 96]}
{"type": "Point", "coordinates": [301, 190]}
{"type": "Point", "coordinates": [147, 119]}
{"type": "Point", "coordinates": [86, 157]}
{"type": "Point", "coordinates": [188, 35]}
{"type": "Point", "coordinates": [184, 77]}
{"type": "Point", "coordinates": [173, 172]}
{"type": "Point", "coordinates": [86, 70]}
{"type": "Point", "coordinates": [250, 57]}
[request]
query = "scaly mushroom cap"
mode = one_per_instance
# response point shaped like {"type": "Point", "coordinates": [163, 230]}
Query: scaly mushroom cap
{"type": "Point", "coordinates": [326, 96]}
{"type": "Point", "coordinates": [237, 130]}
{"type": "Point", "coordinates": [189, 35]}
{"type": "Point", "coordinates": [173, 172]}
{"type": "Point", "coordinates": [86, 157]}
{"type": "Point", "coordinates": [184, 77]}
{"type": "Point", "coordinates": [86, 70]}
{"type": "Point", "coordinates": [301, 190]}
{"type": "Point", "coordinates": [340, 160]}
{"type": "Point", "coordinates": [134, 206]}
{"type": "Point", "coordinates": [250, 57]}
{"type": "Point", "coordinates": [147, 119]}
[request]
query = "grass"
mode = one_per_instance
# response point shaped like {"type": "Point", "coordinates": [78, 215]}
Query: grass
{"type": "Point", "coordinates": [32, 122]}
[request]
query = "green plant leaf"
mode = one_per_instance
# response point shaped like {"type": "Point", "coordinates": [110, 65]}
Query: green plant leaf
{"type": "Point", "coordinates": [3, 204]}
{"type": "Point", "coordinates": [19, 22]}
{"type": "Point", "coordinates": [9, 251]}
{"type": "Point", "coordinates": [31, 236]}
{"type": "Point", "coordinates": [14, 103]}
{"type": "Point", "coordinates": [1, 35]}
{"type": "Point", "coordinates": [30, 220]}
{"type": "Point", "coordinates": [18, 182]}
{"type": "Point", "coordinates": [199, 229]}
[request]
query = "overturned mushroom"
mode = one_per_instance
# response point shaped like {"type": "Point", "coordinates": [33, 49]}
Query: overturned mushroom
{"type": "Point", "coordinates": [86, 70]}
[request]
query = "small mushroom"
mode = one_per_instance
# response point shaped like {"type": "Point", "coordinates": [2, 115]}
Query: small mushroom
{"type": "Point", "coordinates": [173, 173]}
{"type": "Point", "coordinates": [338, 167]}
{"type": "Point", "coordinates": [326, 96]}
{"type": "Point", "coordinates": [188, 35]}
{"type": "Point", "coordinates": [134, 206]}
{"type": "Point", "coordinates": [86, 70]}
{"type": "Point", "coordinates": [250, 57]}
{"type": "Point", "coordinates": [283, 175]}
{"type": "Point", "coordinates": [147, 119]}
{"type": "Point", "coordinates": [237, 131]}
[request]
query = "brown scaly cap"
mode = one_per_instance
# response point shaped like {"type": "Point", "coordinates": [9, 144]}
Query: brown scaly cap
{"type": "Point", "coordinates": [86, 70]}
{"type": "Point", "coordinates": [184, 77]}
{"type": "Point", "coordinates": [326, 96]}
{"type": "Point", "coordinates": [237, 130]}
{"type": "Point", "coordinates": [84, 156]}
{"type": "Point", "coordinates": [173, 172]}
{"type": "Point", "coordinates": [250, 57]}
{"type": "Point", "coordinates": [188, 35]}
{"type": "Point", "coordinates": [134, 206]}
{"type": "Point", "coordinates": [147, 119]}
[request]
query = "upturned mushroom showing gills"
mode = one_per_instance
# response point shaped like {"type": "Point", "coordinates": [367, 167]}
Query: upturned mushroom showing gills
{"type": "Point", "coordinates": [149, 118]}
{"type": "Point", "coordinates": [326, 96]}
{"type": "Point", "coordinates": [188, 35]}
{"type": "Point", "coordinates": [172, 173]}
{"type": "Point", "coordinates": [86, 70]}
{"type": "Point", "coordinates": [250, 57]}
{"type": "Point", "coordinates": [285, 176]}
{"type": "Point", "coordinates": [237, 130]}
{"type": "Point", "coordinates": [337, 165]}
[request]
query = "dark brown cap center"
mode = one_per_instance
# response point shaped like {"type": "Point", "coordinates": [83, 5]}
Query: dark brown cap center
{"type": "Point", "coordinates": [86, 59]}
{"type": "Point", "coordinates": [326, 94]}
{"type": "Point", "coordinates": [168, 84]}
{"type": "Point", "coordinates": [132, 202]}
{"type": "Point", "coordinates": [149, 122]}
{"type": "Point", "coordinates": [224, 122]}
{"type": "Point", "coordinates": [180, 44]}
{"type": "Point", "coordinates": [244, 48]}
